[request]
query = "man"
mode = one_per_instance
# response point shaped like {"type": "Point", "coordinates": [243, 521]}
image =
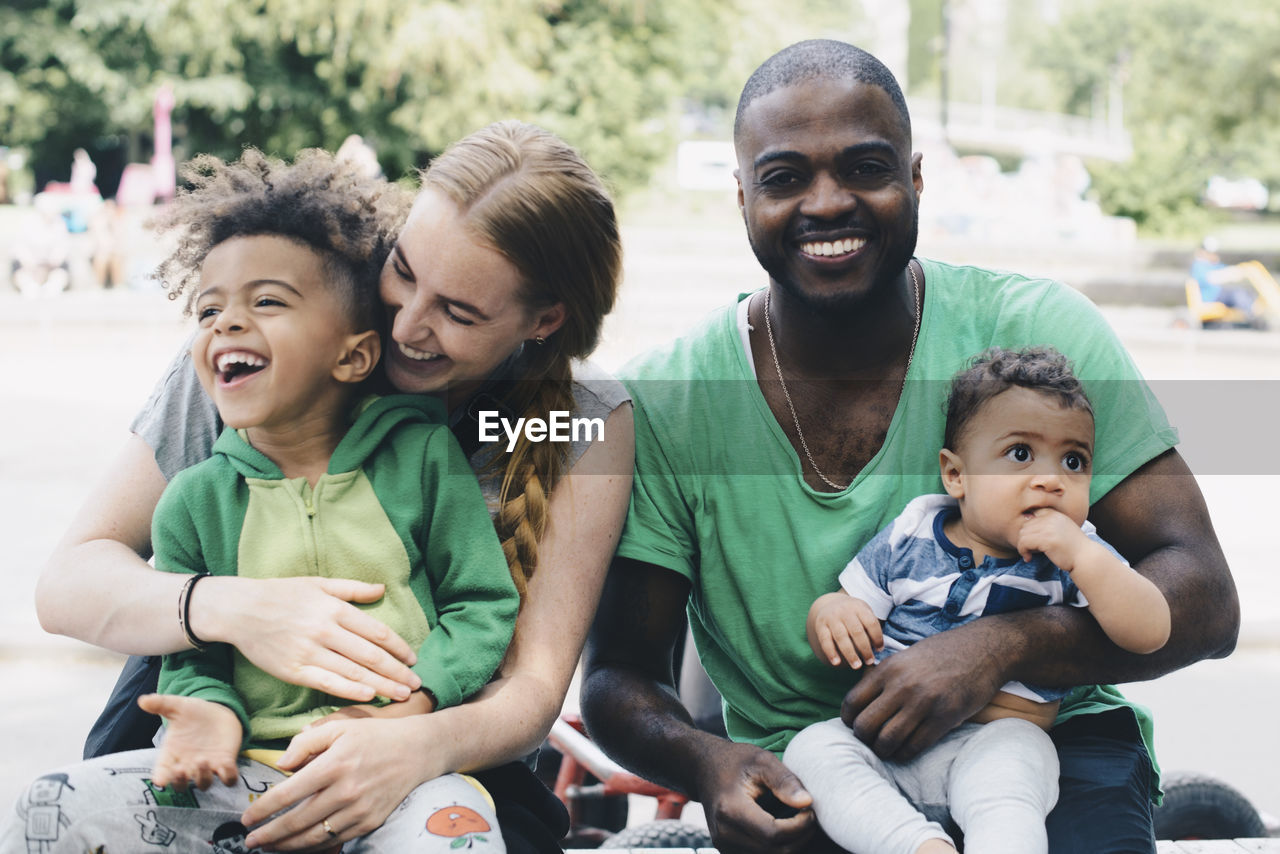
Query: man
{"type": "Point", "coordinates": [775, 439]}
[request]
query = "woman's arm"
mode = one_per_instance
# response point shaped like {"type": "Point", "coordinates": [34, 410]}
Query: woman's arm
{"type": "Point", "coordinates": [99, 588]}
{"type": "Point", "coordinates": [506, 720]}
{"type": "Point", "coordinates": [512, 715]}
{"type": "Point", "coordinates": [97, 585]}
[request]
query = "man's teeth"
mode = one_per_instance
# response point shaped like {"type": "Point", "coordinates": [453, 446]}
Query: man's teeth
{"type": "Point", "coordinates": [418, 355]}
{"type": "Point", "coordinates": [829, 248]}
{"type": "Point", "coordinates": [252, 360]}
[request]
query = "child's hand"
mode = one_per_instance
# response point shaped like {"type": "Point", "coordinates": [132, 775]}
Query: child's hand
{"type": "Point", "coordinates": [1052, 533]}
{"type": "Point", "coordinates": [843, 629]}
{"type": "Point", "coordinates": [419, 703]}
{"type": "Point", "coordinates": [201, 741]}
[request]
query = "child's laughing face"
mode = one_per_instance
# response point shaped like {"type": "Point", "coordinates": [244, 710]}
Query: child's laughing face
{"type": "Point", "coordinates": [273, 331]}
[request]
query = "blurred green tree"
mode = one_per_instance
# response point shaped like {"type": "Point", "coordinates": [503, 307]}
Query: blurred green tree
{"type": "Point", "coordinates": [1201, 88]}
{"type": "Point", "coordinates": [613, 77]}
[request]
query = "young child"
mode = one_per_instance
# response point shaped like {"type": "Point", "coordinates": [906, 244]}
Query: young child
{"type": "Point", "coordinates": [311, 477]}
{"type": "Point", "coordinates": [1010, 533]}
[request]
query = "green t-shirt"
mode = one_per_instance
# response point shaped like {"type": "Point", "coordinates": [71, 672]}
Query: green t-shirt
{"type": "Point", "coordinates": [719, 496]}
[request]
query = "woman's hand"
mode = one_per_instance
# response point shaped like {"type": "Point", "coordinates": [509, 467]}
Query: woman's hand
{"type": "Point", "coordinates": [353, 774]}
{"type": "Point", "coordinates": [305, 631]}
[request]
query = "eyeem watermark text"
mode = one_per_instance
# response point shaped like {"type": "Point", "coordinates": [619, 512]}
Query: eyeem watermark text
{"type": "Point", "coordinates": [558, 428]}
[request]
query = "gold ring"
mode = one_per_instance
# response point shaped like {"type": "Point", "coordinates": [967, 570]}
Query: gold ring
{"type": "Point", "coordinates": [327, 829]}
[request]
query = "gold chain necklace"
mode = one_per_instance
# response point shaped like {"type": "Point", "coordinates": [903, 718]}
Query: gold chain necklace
{"type": "Point", "coordinates": [917, 310]}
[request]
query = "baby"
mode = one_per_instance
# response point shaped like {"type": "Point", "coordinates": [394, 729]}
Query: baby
{"type": "Point", "coordinates": [1010, 533]}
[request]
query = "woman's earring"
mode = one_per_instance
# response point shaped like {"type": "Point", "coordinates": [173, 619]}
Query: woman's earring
{"type": "Point", "coordinates": [539, 340]}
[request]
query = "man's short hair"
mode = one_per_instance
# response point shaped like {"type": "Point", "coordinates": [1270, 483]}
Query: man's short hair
{"type": "Point", "coordinates": [1041, 369]}
{"type": "Point", "coordinates": [820, 59]}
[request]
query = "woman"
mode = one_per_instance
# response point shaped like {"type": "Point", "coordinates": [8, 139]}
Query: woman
{"type": "Point", "coordinates": [511, 229]}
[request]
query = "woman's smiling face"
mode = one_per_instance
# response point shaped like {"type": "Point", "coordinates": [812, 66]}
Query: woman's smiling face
{"type": "Point", "coordinates": [454, 304]}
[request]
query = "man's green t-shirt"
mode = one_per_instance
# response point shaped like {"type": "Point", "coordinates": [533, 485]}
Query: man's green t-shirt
{"type": "Point", "coordinates": [720, 498]}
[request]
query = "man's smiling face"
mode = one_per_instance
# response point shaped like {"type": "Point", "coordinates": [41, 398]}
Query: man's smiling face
{"type": "Point", "coordinates": [829, 190]}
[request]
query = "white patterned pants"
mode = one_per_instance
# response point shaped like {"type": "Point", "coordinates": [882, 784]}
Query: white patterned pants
{"type": "Point", "coordinates": [110, 805]}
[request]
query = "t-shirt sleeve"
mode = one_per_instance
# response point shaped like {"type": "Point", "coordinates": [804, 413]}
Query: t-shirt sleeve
{"type": "Point", "coordinates": [179, 421]}
{"type": "Point", "coordinates": [1131, 427]}
{"type": "Point", "coordinates": [659, 527]}
{"type": "Point", "coordinates": [596, 394]}
{"type": "Point", "coordinates": [867, 575]}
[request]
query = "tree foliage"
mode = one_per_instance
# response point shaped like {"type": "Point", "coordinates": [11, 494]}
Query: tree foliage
{"type": "Point", "coordinates": [1201, 86]}
{"type": "Point", "coordinates": [611, 76]}
{"type": "Point", "coordinates": [287, 74]}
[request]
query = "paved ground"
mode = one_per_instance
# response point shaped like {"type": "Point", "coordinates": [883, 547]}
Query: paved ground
{"type": "Point", "coordinates": [76, 368]}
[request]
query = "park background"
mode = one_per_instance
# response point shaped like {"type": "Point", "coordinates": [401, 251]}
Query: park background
{"type": "Point", "coordinates": [1096, 142]}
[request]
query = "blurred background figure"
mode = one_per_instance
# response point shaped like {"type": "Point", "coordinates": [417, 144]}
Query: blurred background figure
{"type": "Point", "coordinates": [82, 198]}
{"type": "Point", "coordinates": [107, 238]}
{"type": "Point", "coordinates": [1220, 282]}
{"type": "Point", "coordinates": [4, 176]}
{"type": "Point", "coordinates": [360, 153]}
{"type": "Point", "coordinates": [42, 252]}
{"type": "Point", "coordinates": [83, 173]}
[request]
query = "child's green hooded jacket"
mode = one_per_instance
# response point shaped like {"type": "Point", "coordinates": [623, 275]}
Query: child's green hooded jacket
{"type": "Point", "coordinates": [399, 505]}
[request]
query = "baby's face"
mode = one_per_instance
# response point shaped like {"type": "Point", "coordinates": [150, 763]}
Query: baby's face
{"type": "Point", "coordinates": [1019, 453]}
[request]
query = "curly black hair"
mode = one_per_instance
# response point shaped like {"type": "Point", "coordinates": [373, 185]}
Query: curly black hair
{"type": "Point", "coordinates": [318, 201]}
{"type": "Point", "coordinates": [1041, 369]}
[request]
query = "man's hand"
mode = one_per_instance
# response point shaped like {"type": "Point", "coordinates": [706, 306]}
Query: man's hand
{"type": "Point", "coordinates": [631, 711]}
{"type": "Point", "coordinates": [914, 697]}
{"type": "Point", "coordinates": [753, 803]}
{"type": "Point", "coordinates": [843, 629]}
{"type": "Point", "coordinates": [1053, 534]}
{"type": "Point", "coordinates": [201, 741]}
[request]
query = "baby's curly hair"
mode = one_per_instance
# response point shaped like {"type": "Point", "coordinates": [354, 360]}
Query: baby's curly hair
{"type": "Point", "coordinates": [319, 201]}
{"type": "Point", "coordinates": [1041, 369]}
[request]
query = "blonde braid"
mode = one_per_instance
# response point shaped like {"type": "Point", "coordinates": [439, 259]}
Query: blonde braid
{"type": "Point", "coordinates": [530, 475]}
{"type": "Point", "coordinates": [529, 195]}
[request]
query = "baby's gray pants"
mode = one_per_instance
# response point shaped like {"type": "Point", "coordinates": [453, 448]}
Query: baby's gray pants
{"type": "Point", "coordinates": [997, 781]}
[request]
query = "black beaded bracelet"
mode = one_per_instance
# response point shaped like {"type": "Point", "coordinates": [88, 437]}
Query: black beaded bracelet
{"type": "Point", "coordinates": [184, 610]}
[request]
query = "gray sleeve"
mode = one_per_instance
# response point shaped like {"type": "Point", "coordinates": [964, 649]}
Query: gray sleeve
{"type": "Point", "coordinates": [596, 393]}
{"type": "Point", "coordinates": [179, 421]}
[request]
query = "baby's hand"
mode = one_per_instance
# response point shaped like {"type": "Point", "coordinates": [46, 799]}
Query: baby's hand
{"type": "Point", "coordinates": [419, 703]}
{"type": "Point", "coordinates": [201, 741]}
{"type": "Point", "coordinates": [842, 628]}
{"type": "Point", "coordinates": [1052, 533]}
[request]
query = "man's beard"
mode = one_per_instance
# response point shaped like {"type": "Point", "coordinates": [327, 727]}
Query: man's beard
{"type": "Point", "coordinates": [842, 303]}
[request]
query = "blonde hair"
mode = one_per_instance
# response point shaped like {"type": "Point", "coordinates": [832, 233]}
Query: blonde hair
{"type": "Point", "coordinates": [530, 196]}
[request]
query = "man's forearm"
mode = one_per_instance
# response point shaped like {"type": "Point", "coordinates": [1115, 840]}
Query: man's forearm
{"type": "Point", "coordinates": [1063, 647]}
{"type": "Point", "coordinates": [642, 726]}
{"type": "Point", "coordinates": [1157, 518]}
{"type": "Point", "coordinates": [629, 700]}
